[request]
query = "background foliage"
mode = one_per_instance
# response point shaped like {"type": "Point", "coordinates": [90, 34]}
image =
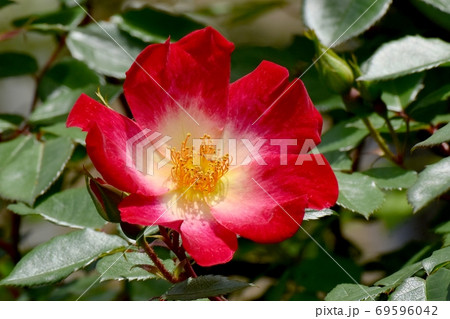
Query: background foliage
{"type": "Point", "coordinates": [384, 97]}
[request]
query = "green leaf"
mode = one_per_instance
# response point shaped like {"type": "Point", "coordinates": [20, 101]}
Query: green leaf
{"type": "Point", "coordinates": [412, 289]}
{"type": "Point", "coordinates": [438, 258]}
{"type": "Point", "coordinates": [69, 73]}
{"type": "Point", "coordinates": [407, 55]}
{"type": "Point", "coordinates": [440, 136]}
{"type": "Point", "coordinates": [152, 25]}
{"type": "Point", "coordinates": [398, 277]}
{"type": "Point", "coordinates": [400, 92]}
{"type": "Point", "coordinates": [339, 161]}
{"type": "Point", "coordinates": [392, 177]}
{"type": "Point", "coordinates": [58, 105]}
{"type": "Point", "coordinates": [72, 207]}
{"type": "Point", "coordinates": [433, 181]}
{"type": "Point", "coordinates": [342, 137]}
{"type": "Point", "coordinates": [61, 20]}
{"type": "Point", "coordinates": [15, 63]}
{"type": "Point", "coordinates": [60, 129]}
{"type": "Point", "coordinates": [438, 286]}
{"type": "Point", "coordinates": [441, 94]}
{"type": "Point", "coordinates": [359, 193]}
{"type": "Point", "coordinates": [353, 292]}
{"type": "Point", "coordinates": [442, 5]}
{"type": "Point", "coordinates": [313, 214]}
{"type": "Point", "coordinates": [4, 3]}
{"type": "Point", "coordinates": [59, 257]}
{"type": "Point", "coordinates": [203, 287]}
{"type": "Point", "coordinates": [104, 48]}
{"type": "Point", "coordinates": [122, 266]}
{"type": "Point", "coordinates": [444, 228]}
{"type": "Point", "coordinates": [31, 166]}
{"type": "Point", "coordinates": [337, 21]}
{"type": "Point", "coordinates": [10, 122]}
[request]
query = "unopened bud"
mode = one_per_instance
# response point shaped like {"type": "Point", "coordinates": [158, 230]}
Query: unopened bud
{"type": "Point", "coordinates": [334, 71]}
{"type": "Point", "coordinates": [105, 198]}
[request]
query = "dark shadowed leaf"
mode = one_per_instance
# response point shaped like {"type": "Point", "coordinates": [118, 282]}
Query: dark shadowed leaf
{"type": "Point", "coordinates": [337, 21]}
{"type": "Point", "coordinates": [203, 287]}
{"type": "Point", "coordinates": [31, 166]}
{"type": "Point", "coordinates": [151, 25]}
{"type": "Point", "coordinates": [433, 181]}
{"type": "Point", "coordinates": [59, 257]}
{"type": "Point", "coordinates": [407, 55]}
{"type": "Point", "coordinates": [69, 73]}
{"type": "Point", "coordinates": [15, 63]}
{"type": "Point", "coordinates": [72, 207]}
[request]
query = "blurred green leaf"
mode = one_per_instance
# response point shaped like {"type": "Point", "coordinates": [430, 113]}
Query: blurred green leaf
{"type": "Point", "coordinates": [444, 228]}
{"type": "Point", "coordinates": [124, 266]}
{"type": "Point", "coordinates": [407, 55]}
{"type": "Point", "coordinates": [442, 5]}
{"type": "Point", "coordinates": [440, 136]}
{"type": "Point", "coordinates": [203, 287]}
{"type": "Point", "coordinates": [58, 105]}
{"type": "Point", "coordinates": [400, 92]}
{"type": "Point", "coordinates": [313, 214]}
{"type": "Point", "coordinates": [438, 286]}
{"type": "Point", "coordinates": [60, 129]}
{"type": "Point", "coordinates": [342, 137]}
{"type": "Point", "coordinates": [412, 289]}
{"type": "Point", "coordinates": [69, 73]}
{"type": "Point", "coordinates": [398, 277]}
{"type": "Point", "coordinates": [392, 177]}
{"type": "Point", "coordinates": [4, 3]}
{"type": "Point", "coordinates": [59, 257]}
{"type": "Point", "coordinates": [245, 11]}
{"type": "Point", "coordinates": [438, 258]}
{"type": "Point", "coordinates": [353, 292]}
{"type": "Point", "coordinates": [31, 166]}
{"type": "Point", "coordinates": [337, 21]}
{"type": "Point", "coordinates": [72, 208]}
{"type": "Point", "coordinates": [10, 122]}
{"type": "Point", "coordinates": [359, 193]}
{"type": "Point", "coordinates": [433, 181]}
{"type": "Point", "coordinates": [104, 48]}
{"type": "Point", "coordinates": [152, 25]}
{"type": "Point", "coordinates": [15, 63]}
{"type": "Point", "coordinates": [61, 20]}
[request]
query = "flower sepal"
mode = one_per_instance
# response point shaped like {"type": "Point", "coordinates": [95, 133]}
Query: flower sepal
{"type": "Point", "coordinates": [105, 198]}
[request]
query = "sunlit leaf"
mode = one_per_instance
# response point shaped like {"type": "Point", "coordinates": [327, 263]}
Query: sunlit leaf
{"type": "Point", "coordinates": [433, 181]}
{"type": "Point", "coordinates": [407, 55]}
{"type": "Point", "coordinates": [59, 257]}
{"type": "Point", "coordinates": [337, 21]}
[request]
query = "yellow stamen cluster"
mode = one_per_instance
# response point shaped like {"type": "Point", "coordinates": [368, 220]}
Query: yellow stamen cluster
{"type": "Point", "coordinates": [204, 176]}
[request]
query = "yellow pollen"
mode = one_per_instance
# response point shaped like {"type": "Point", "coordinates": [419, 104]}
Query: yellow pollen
{"type": "Point", "coordinates": [204, 176]}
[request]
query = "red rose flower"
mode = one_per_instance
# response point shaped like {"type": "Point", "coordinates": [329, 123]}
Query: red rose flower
{"type": "Point", "coordinates": [233, 154]}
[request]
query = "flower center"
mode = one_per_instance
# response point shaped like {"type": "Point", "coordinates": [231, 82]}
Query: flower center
{"type": "Point", "coordinates": [201, 169]}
